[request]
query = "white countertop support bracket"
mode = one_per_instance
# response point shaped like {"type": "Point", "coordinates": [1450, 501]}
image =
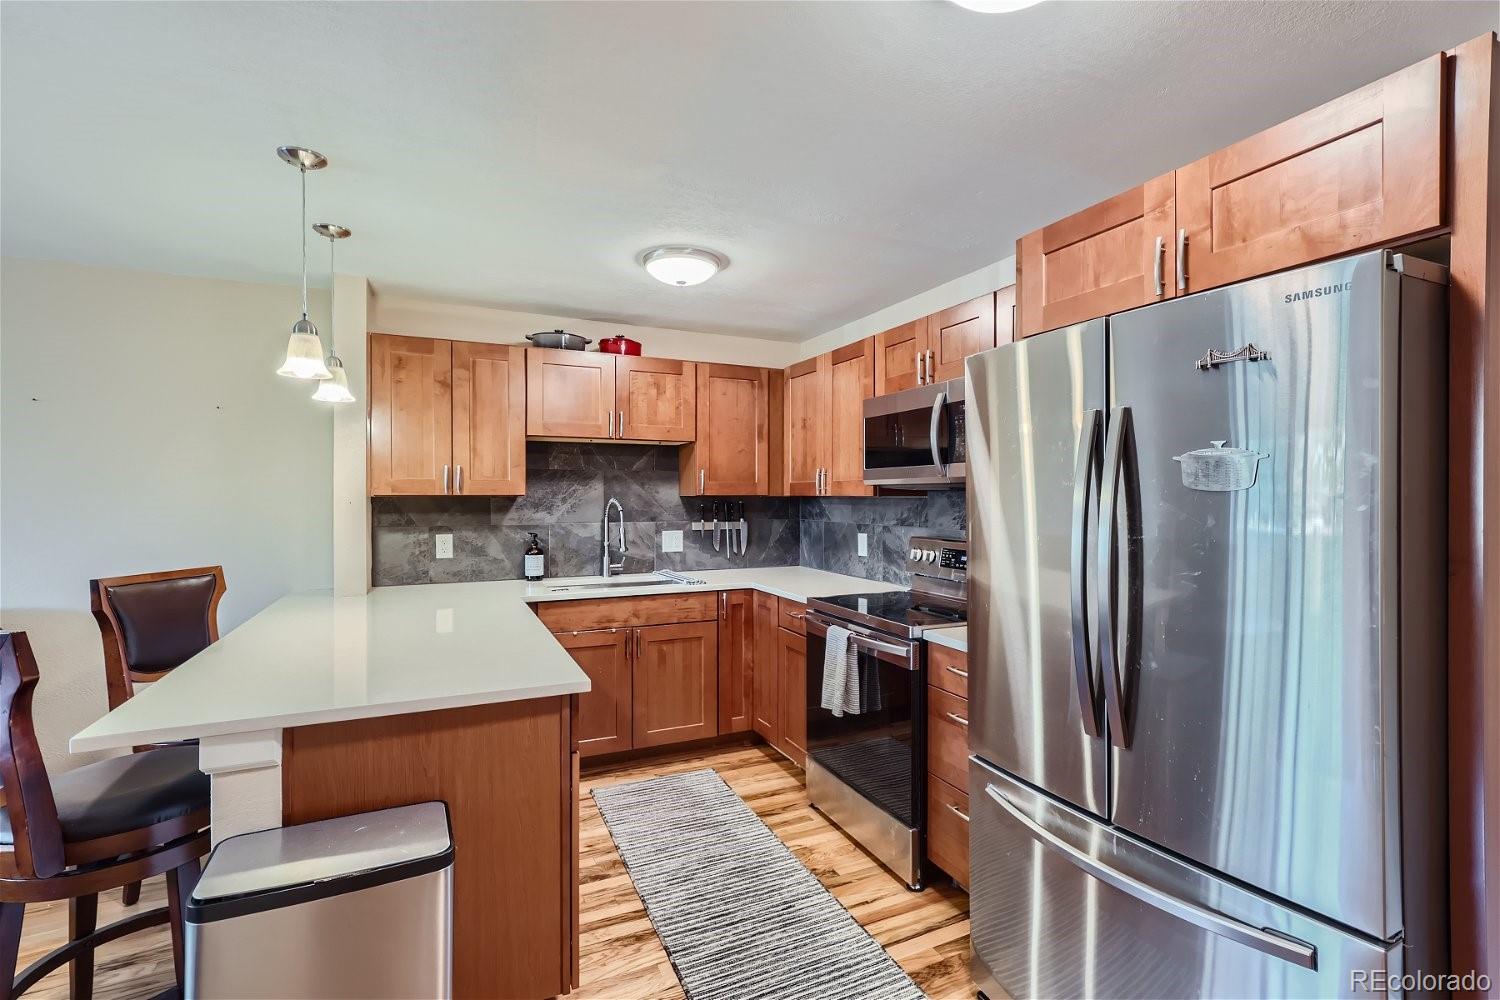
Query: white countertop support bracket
{"type": "Point", "coordinates": [245, 769]}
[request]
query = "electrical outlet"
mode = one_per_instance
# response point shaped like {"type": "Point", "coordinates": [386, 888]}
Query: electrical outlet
{"type": "Point", "coordinates": [864, 545]}
{"type": "Point", "coordinates": [444, 545]}
{"type": "Point", "coordinates": [671, 541]}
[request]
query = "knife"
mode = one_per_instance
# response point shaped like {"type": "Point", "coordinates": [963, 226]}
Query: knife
{"type": "Point", "coordinates": [744, 530]}
{"type": "Point", "coordinates": [715, 529]}
{"type": "Point", "coordinates": [730, 529]}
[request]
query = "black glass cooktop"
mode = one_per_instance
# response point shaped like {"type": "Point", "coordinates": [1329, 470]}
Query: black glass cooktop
{"type": "Point", "coordinates": [900, 612]}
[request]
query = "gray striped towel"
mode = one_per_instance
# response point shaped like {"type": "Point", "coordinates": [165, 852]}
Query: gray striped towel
{"type": "Point", "coordinates": [840, 673]}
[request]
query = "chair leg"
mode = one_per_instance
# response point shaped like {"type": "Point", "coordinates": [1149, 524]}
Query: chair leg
{"type": "Point", "coordinates": [83, 918]}
{"type": "Point", "coordinates": [131, 894]}
{"type": "Point", "coordinates": [180, 883]}
{"type": "Point", "coordinates": [10, 941]}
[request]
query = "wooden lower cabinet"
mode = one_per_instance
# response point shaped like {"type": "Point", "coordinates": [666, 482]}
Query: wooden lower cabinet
{"type": "Point", "coordinates": [675, 683]}
{"type": "Point", "coordinates": [791, 682]}
{"type": "Point", "coordinates": [948, 737]}
{"type": "Point", "coordinates": [948, 829]}
{"type": "Point", "coordinates": [767, 690]}
{"type": "Point", "coordinates": [736, 658]}
{"type": "Point", "coordinates": [603, 723]}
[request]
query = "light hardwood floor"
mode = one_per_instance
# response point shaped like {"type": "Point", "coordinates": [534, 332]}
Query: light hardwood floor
{"type": "Point", "coordinates": [621, 957]}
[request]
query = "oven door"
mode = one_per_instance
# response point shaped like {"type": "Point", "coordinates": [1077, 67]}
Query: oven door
{"type": "Point", "coordinates": [879, 751]}
{"type": "Point", "coordinates": [916, 437]}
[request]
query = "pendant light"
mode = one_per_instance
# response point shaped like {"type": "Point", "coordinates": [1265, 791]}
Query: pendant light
{"type": "Point", "coordinates": [304, 351]}
{"type": "Point", "coordinates": [336, 388]}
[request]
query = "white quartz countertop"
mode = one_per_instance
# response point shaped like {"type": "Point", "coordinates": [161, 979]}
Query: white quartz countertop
{"type": "Point", "coordinates": [954, 638]}
{"type": "Point", "coordinates": [311, 658]}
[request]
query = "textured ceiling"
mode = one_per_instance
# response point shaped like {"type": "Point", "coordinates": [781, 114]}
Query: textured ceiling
{"type": "Point", "coordinates": [843, 155]}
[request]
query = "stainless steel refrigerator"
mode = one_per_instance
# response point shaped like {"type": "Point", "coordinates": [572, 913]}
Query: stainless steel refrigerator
{"type": "Point", "coordinates": [1207, 634]}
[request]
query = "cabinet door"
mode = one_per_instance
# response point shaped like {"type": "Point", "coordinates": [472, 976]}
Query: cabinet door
{"type": "Point", "coordinates": [1005, 315]}
{"type": "Point", "coordinates": [411, 413]}
{"type": "Point", "coordinates": [569, 393]}
{"type": "Point", "coordinates": [851, 382]}
{"type": "Point", "coordinates": [896, 353]}
{"type": "Point", "coordinates": [676, 683]}
{"type": "Point", "coordinates": [808, 410]}
{"type": "Point", "coordinates": [736, 654]}
{"type": "Point", "coordinates": [489, 419]}
{"type": "Point", "coordinates": [791, 669]}
{"type": "Point", "coordinates": [957, 332]}
{"type": "Point", "coordinates": [603, 721]}
{"type": "Point", "coordinates": [767, 690]}
{"type": "Point", "coordinates": [1113, 256]}
{"type": "Point", "coordinates": [655, 399]}
{"type": "Point", "coordinates": [733, 455]}
{"type": "Point", "coordinates": [1358, 172]}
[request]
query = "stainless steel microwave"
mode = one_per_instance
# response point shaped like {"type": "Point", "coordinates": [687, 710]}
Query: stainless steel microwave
{"type": "Point", "coordinates": [916, 437]}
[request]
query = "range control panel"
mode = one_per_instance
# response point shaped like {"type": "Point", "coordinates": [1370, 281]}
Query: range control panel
{"type": "Point", "coordinates": [944, 560]}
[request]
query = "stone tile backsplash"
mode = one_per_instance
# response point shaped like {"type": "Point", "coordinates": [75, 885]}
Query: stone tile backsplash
{"type": "Point", "coordinates": [566, 488]}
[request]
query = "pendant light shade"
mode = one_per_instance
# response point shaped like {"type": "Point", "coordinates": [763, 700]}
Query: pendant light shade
{"type": "Point", "coordinates": [304, 353]}
{"type": "Point", "coordinates": [336, 388]}
{"type": "Point", "coordinates": [304, 350]}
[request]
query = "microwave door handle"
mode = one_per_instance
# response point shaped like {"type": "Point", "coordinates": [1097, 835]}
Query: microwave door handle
{"type": "Point", "coordinates": [1264, 940]}
{"type": "Point", "coordinates": [939, 405]}
{"type": "Point", "coordinates": [1085, 471]}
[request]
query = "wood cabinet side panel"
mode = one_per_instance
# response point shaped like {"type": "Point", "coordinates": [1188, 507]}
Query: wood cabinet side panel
{"type": "Point", "coordinates": [500, 769]}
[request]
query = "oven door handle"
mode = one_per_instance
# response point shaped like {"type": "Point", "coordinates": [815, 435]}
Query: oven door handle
{"type": "Point", "coordinates": [819, 626]}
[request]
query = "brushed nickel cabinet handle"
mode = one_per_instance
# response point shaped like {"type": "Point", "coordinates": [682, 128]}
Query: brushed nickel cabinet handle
{"type": "Point", "coordinates": [700, 482]}
{"type": "Point", "coordinates": [962, 673]}
{"type": "Point", "coordinates": [621, 423]}
{"type": "Point", "coordinates": [919, 368]}
{"type": "Point", "coordinates": [1157, 263]}
{"type": "Point", "coordinates": [458, 479]}
{"type": "Point", "coordinates": [445, 480]}
{"type": "Point", "coordinates": [611, 423]}
{"type": "Point", "coordinates": [931, 378]}
{"type": "Point", "coordinates": [958, 812]}
{"type": "Point", "coordinates": [1182, 271]}
{"type": "Point", "coordinates": [957, 718]}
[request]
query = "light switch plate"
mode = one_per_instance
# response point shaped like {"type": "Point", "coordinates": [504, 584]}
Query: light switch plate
{"type": "Point", "coordinates": [444, 545]}
{"type": "Point", "coordinates": [671, 541]}
{"type": "Point", "coordinates": [864, 545]}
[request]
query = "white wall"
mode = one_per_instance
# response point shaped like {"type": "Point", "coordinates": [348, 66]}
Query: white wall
{"type": "Point", "coordinates": [423, 318]}
{"type": "Point", "coordinates": [950, 293]}
{"type": "Point", "coordinates": [143, 427]}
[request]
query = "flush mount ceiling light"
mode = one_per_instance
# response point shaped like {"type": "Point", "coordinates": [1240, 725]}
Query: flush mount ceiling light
{"type": "Point", "coordinates": [996, 6]}
{"type": "Point", "coordinates": [335, 389]}
{"type": "Point", "coordinates": [680, 265]}
{"type": "Point", "coordinates": [304, 351]}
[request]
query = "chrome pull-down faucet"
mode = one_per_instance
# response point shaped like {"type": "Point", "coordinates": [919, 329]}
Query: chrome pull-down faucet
{"type": "Point", "coordinates": [605, 566]}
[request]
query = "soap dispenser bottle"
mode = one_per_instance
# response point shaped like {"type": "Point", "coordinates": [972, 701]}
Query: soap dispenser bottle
{"type": "Point", "coordinates": [536, 559]}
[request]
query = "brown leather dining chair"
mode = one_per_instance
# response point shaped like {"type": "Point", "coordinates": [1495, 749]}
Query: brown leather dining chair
{"type": "Point", "coordinates": [94, 828]}
{"type": "Point", "coordinates": [153, 622]}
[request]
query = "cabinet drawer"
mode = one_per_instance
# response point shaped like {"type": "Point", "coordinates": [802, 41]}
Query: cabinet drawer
{"type": "Point", "coordinates": [791, 615]}
{"type": "Point", "coordinates": [948, 669]}
{"type": "Point", "coordinates": [948, 736]}
{"type": "Point", "coordinates": [948, 828]}
{"type": "Point", "coordinates": [626, 612]}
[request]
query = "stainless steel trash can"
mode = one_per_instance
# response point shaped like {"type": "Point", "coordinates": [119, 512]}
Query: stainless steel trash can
{"type": "Point", "coordinates": [359, 906]}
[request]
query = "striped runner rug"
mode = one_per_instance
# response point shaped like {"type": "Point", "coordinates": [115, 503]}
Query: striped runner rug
{"type": "Point", "coordinates": [738, 914]}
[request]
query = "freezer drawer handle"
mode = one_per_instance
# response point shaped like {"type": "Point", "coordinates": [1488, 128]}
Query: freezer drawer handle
{"type": "Point", "coordinates": [1214, 359]}
{"type": "Point", "coordinates": [1264, 940]}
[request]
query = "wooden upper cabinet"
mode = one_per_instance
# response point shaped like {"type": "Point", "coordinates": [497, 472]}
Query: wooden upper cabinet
{"type": "Point", "coordinates": [957, 332]}
{"type": "Point", "coordinates": [1005, 315]}
{"type": "Point", "coordinates": [736, 656]}
{"type": "Point", "coordinates": [676, 683]}
{"type": "Point", "coordinates": [738, 407]}
{"type": "Point", "coordinates": [411, 395]}
{"type": "Point", "coordinates": [1358, 172]}
{"type": "Point", "coordinates": [767, 692]}
{"type": "Point", "coordinates": [489, 419]}
{"type": "Point", "coordinates": [851, 382]}
{"type": "Point", "coordinates": [1113, 256]}
{"type": "Point", "coordinates": [604, 711]}
{"type": "Point", "coordinates": [896, 353]}
{"type": "Point", "coordinates": [655, 399]}
{"type": "Point", "coordinates": [808, 395]}
{"type": "Point", "coordinates": [569, 393]}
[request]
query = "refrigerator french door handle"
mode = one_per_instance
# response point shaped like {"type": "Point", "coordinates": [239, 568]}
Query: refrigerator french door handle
{"type": "Point", "coordinates": [1118, 453]}
{"type": "Point", "coordinates": [1086, 470]}
{"type": "Point", "coordinates": [1263, 940]}
{"type": "Point", "coordinates": [939, 405]}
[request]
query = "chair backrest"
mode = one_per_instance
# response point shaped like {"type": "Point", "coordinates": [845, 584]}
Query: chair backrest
{"type": "Point", "coordinates": [29, 806]}
{"type": "Point", "coordinates": [151, 622]}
